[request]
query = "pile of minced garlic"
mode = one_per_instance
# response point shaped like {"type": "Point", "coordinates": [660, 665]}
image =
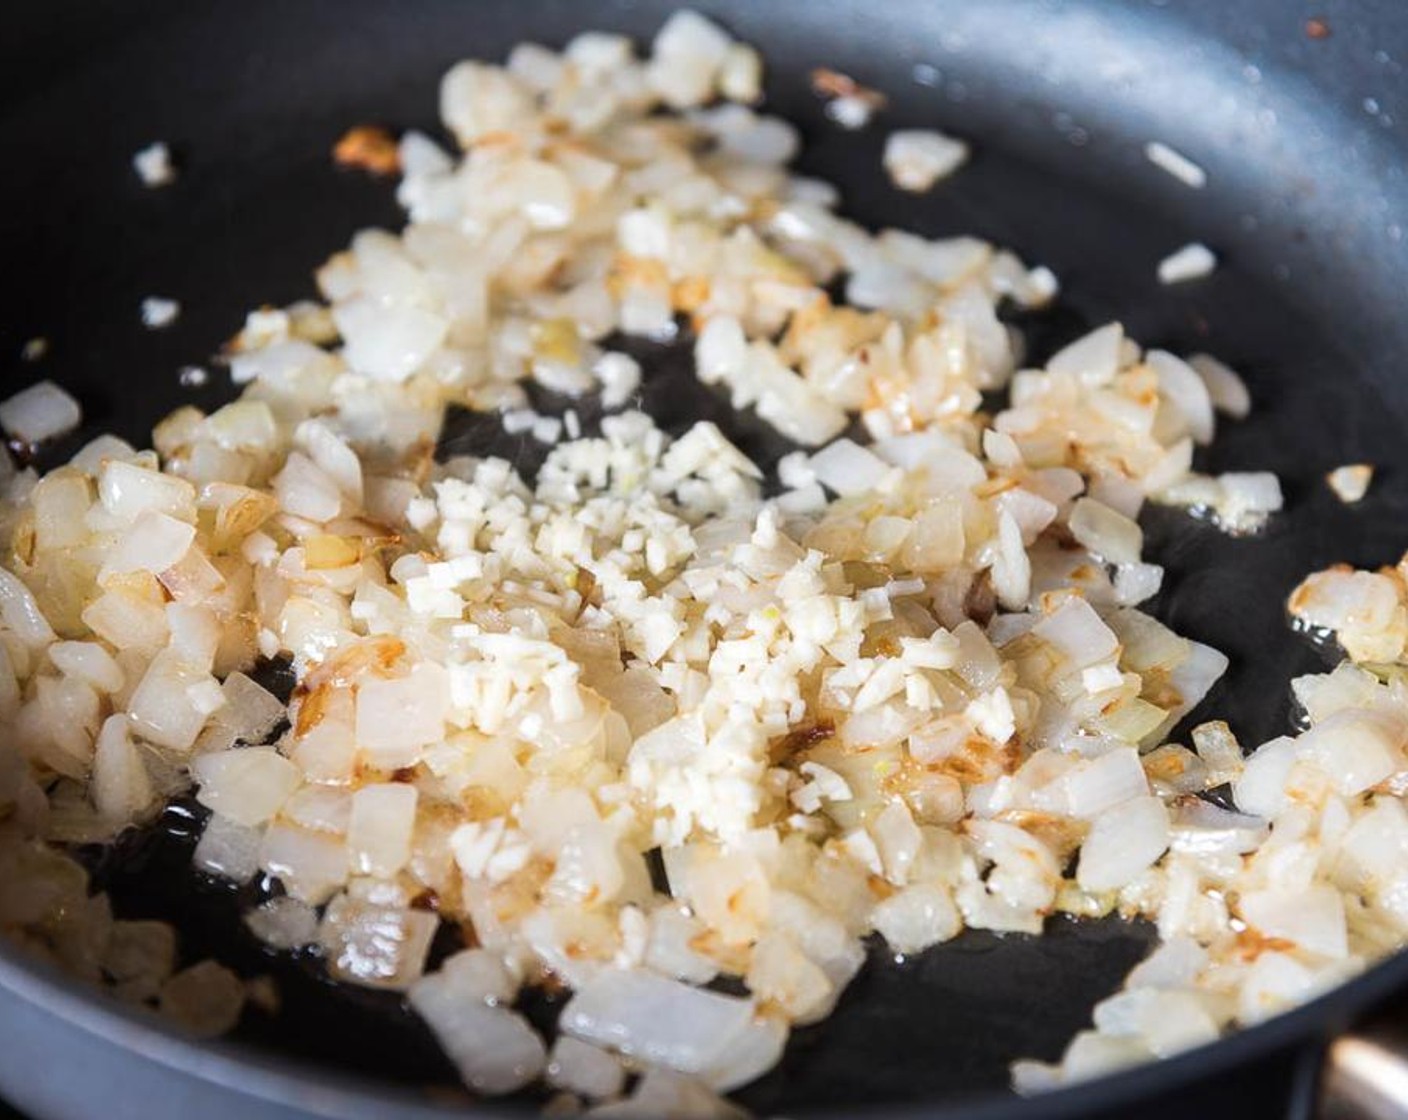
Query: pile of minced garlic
{"type": "Point", "coordinates": [910, 694]}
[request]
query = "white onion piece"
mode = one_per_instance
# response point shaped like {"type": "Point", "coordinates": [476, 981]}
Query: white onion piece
{"type": "Point", "coordinates": [482, 975]}
{"type": "Point", "coordinates": [535, 66]}
{"type": "Point", "coordinates": [38, 413]}
{"type": "Point", "coordinates": [1192, 680]}
{"type": "Point", "coordinates": [248, 785]}
{"type": "Point", "coordinates": [373, 945]}
{"type": "Point", "coordinates": [1362, 607]}
{"type": "Point", "coordinates": [250, 715]}
{"type": "Point", "coordinates": [1148, 644]}
{"type": "Point", "coordinates": [1227, 391]}
{"type": "Point", "coordinates": [1172, 468]}
{"type": "Point", "coordinates": [1101, 784]}
{"type": "Point", "coordinates": [741, 74]}
{"type": "Point", "coordinates": [1030, 1077]}
{"type": "Point", "coordinates": [686, 56]}
{"type": "Point", "coordinates": [1350, 482]}
{"type": "Point", "coordinates": [670, 948]}
{"type": "Point", "coordinates": [395, 718]}
{"type": "Point", "coordinates": [283, 923]}
{"type": "Point", "coordinates": [311, 865]}
{"type": "Point", "coordinates": [639, 699]}
{"type": "Point", "coordinates": [332, 456]}
{"type": "Point", "coordinates": [62, 504]}
{"type": "Point", "coordinates": [1123, 842]}
{"type": "Point", "coordinates": [89, 662]}
{"type": "Point", "coordinates": [121, 787]}
{"type": "Point", "coordinates": [1192, 262]}
{"type": "Point", "coordinates": [21, 614]}
{"type": "Point", "coordinates": [1312, 918]}
{"type": "Point", "coordinates": [656, 1020]}
{"type": "Point", "coordinates": [228, 850]}
{"type": "Point", "coordinates": [1357, 749]}
{"type": "Point", "coordinates": [598, 52]}
{"type": "Point", "coordinates": [790, 404]}
{"type": "Point", "coordinates": [170, 705]}
{"type": "Point", "coordinates": [1174, 964]}
{"type": "Point", "coordinates": [283, 362]}
{"type": "Point", "coordinates": [154, 543]}
{"type": "Point", "coordinates": [1105, 532]}
{"type": "Point", "coordinates": [476, 99]}
{"type": "Point", "coordinates": [749, 136]}
{"type": "Point", "coordinates": [1078, 633]}
{"type": "Point", "coordinates": [130, 623]}
{"type": "Point", "coordinates": [1248, 496]}
{"type": "Point", "coordinates": [1010, 566]}
{"type": "Point", "coordinates": [1177, 770]}
{"type": "Point", "coordinates": [781, 975]}
{"type": "Point", "coordinates": [918, 916]}
{"type": "Point", "coordinates": [1135, 583]}
{"type": "Point", "coordinates": [379, 832]}
{"type": "Point", "coordinates": [1031, 512]}
{"type": "Point", "coordinates": [126, 491]}
{"type": "Point", "coordinates": [588, 866]}
{"type": "Point", "coordinates": [387, 343]}
{"type": "Point", "coordinates": [845, 467]}
{"type": "Point", "coordinates": [305, 490]}
{"type": "Point", "coordinates": [1165, 1021]}
{"type": "Point", "coordinates": [97, 451]}
{"type": "Point", "coordinates": [548, 819]}
{"type": "Point", "coordinates": [1260, 789]}
{"type": "Point", "coordinates": [1274, 983]}
{"type": "Point", "coordinates": [721, 351]}
{"type": "Point", "coordinates": [1219, 750]}
{"type": "Point", "coordinates": [916, 159]}
{"type": "Point", "coordinates": [1094, 358]}
{"type": "Point", "coordinates": [897, 838]}
{"type": "Point", "coordinates": [319, 808]}
{"type": "Point", "coordinates": [195, 634]}
{"type": "Point", "coordinates": [1185, 390]}
{"type": "Point", "coordinates": [584, 1069]}
{"type": "Point", "coordinates": [1202, 828]}
{"type": "Point", "coordinates": [1092, 1054]}
{"type": "Point", "coordinates": [243, 425]}
{"type": "Point", "coordinates": [495, 1050]}
{"type": "Point", "coordinates": [1123, 495]}
{"type": "Point", "coordinates": [751, 1054]}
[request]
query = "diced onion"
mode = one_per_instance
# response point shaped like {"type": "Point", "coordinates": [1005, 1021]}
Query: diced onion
{"type": "Point", "coordinates": [495, 1050]}
{"type": "Point", "coordinates": [657, 1020]}
{"type": "Point", "coordinates": [41, 412]}
{"type": "Point", "coordinates": [1123, 841]}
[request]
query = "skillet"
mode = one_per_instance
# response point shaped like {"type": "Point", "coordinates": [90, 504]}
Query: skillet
{"type": "Point", "coordinates": [1294, 111]}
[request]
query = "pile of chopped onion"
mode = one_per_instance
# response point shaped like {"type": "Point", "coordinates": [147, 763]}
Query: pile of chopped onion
{"type": "Point", "coordinates": [911, 694]}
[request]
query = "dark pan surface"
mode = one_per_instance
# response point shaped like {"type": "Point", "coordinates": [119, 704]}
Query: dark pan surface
{"type": "Point", "coordinates": [1307, 203]}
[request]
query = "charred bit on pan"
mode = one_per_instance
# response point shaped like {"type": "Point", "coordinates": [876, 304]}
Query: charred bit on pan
{"type": "Point", "coordinates": [832, 83]}
{"type": "Point", "coordinates": [800, 738]}
{"type": "Point", "coordinates": [370, 148]}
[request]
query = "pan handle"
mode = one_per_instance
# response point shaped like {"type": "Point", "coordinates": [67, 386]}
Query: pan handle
{"type": "Point", "coordinates": [1365, 1075]}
